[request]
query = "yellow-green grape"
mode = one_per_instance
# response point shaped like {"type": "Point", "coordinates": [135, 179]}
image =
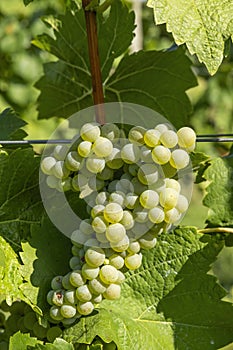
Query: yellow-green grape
{"type": "Point", "coordinates": [39, 331]}
{"type": "Point", "coordinates": [131, 201]}
{"type": "Point", "coordinates": [49, 297]}
{"type": "Point", "coordinates": [113, 292]}
{"type": "Point", "coordinates": [134, 247]}
{"type": "Point", "coordinates": [53, 333]}
{"type": "Point", "coordinates": [89, 132]}
{"type": "Point", "coordinates": [161, 155]}
{"type": "Point", "coordinates": [148, 241]}
{"type": "Point", "coordinates": [85, 308]}
{"type": "Point", "coordinates": [58, 297]}
{"type": "Point", "coordinates": [70, 297]}
{"type": "Point", "coordinates": [169, 138]}
{"type": "Point", "coordinates": [30, 318]}
{"type": "Point", "coordinates": [115, 232]}
{"type": "Point", "coordinates": [108, 274]}
{"type": "Point", "coordinates": [97, 299]}
{"type": "Point", "coordinates": [120, 278]}
{"type": "Point", "coordinates": [47, 165]}
{"type": "Point", "coordinates": [138, 186]}
{"type": "Point", "coordinates": [146, 155]}
{"type": "Point", "coordinates": [84, 148]}
{"type": "Point", "coordinates": [83, 293]}
{"type": "Point", "coordinates": [102, 147]}
{"type": "Point", "coordinates": [55, 313]}
{"type": "Point", "coordinates": [186, 137]}
{"type": "Point", "coordinates": [60, 171]}
{"type": "Point", "coordinates": [89, 272]}
{"type": "Point", "coordinates": [111, 131]}
{"type": "Point", "coordinates": [74, 263]}
{"type": "Point", "coordinates": [102, 198]}
{"type": "Point", "coordinates": [92, 242]}
{"type": "Point", "coordinates": [151, 137]}
{"type": "Point", "coordinates": [162, 128]}
{"type": "Point", "coordinates": [156, 215]}
{"type": "Point", "coordinates": [179, 159]}
{"type": "Point", "coordinates": [95, 165]}
{"type": "Point", "coordinates": [127, 220]}
{"type": "Point", "coordinates": [78, 238]}
{"type": "Point", "coordinates": [105, 174]}
{"type": "Point", "coordinates": [95, 256]}
{"type": "Point", "coordinates": [96, 286]}
{"type": "Point", "coordinates": [97, 210]}
{"type": "Point", "coordinates": [148, 174]}
{"type": "Point", "coordinates": [172, 183]}
{"type": "Point", "coordinates": [120, 246]}
{"type": "Point", "coordinates": [168, 198]}
{"type": "Point", "coordinates": [68, 311]}
{"type": "Point", "coordinates": [60, 152]}
{"type": "Point", "coordinates": [182, 204]}
{"type": "Point", "coordinates": [117, 261]}
{"type": "Point", "coordinates": [113, 212]}
{"type": "Point", "coordinates": [85, 226]}
{"type": "Point", "coordinates": [56, 282]}
{"type": "Point", "coordinates": [114, 160]}
{"type": "Point", "coordinates": [99, 224]}
{"type": "Point", "coordinates": [117, 197]}
{"type": "Point", "coordinates": [136, 135]}
{"type": "Point", "coordinates": [77, 279]}
{"type": "Point", "coordinates": [130, 153]}
{"type": "Point", "coordinates": [52, 181]}
{"type": "Point", "coordinates": [140, 214]}
{"type": "Point", "coordinates": [149, 199]}
{"type": "Point", "coordinates": [73, 161]}
{"type": "Point", "coordinates": [66, 281]}
{"type": "Point", "coordinates": [101, 237]}
{"type": "Point", "coordinates": [133, 261]}
{"type": "Point", "coordinates": [172, 216]}
{"type": "Point", "coordinates": [133, 169]}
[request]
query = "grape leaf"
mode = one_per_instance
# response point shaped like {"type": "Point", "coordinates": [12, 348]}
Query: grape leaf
{"type": "Point", "coordinates": [21, 341]}
{"type": "Point", "coordinates": [203, 26]}
{"type": "Point", "coordinates": [10, 125]}
{"type": "Point", "coordinates": [59, 344]}
{"type": "Point", "coordinates": [219, 198]}
{"type": "Point", "coordinates": [169, 303]}
{"type": "Point", "coordinates": [27, 2]}
{"type": "Point", "coordinates": [20, 201]}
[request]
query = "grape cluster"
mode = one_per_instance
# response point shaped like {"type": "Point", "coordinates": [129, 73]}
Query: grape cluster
{"type": "Point", "coordinates": [132, 193]}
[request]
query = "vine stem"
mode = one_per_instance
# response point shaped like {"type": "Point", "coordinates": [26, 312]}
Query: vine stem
{"type": "Point", "coordinates": [92, 39]}
{"type": "Point", "coordinates": [216, 230]}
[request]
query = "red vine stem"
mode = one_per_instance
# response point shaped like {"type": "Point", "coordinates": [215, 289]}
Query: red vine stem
{"type": "Point", "coordinates": [92, 39]}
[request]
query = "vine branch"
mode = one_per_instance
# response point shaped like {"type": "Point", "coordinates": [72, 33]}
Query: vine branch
{"type": "Point", "coordinates": [216, 230]}
{"type": "Point", "coordinates": [92, 39]}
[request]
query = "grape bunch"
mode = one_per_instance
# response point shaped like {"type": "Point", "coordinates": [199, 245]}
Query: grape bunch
{"type": "Point", "coordinates": [132, 194]}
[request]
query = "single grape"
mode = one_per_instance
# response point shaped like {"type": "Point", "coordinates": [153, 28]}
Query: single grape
{"type": "Point", "coordinates": [120, 278]}
{"type": "Point", "coordinates": [47, 165]}
{"type": "Point", "coordinates": [89, 132]}
{"type": "Point", "coordinates": [64, 185]}
{"type": "Point", "coordinates": [172, 183]}
{"type": "Point", "coordinates": [136, 135]}
{"type": "Point", "coordinates": [84, 149]}
{"type": "Point", "coordinates": [75, 250]}
{"type": "Point", "coordinates": [117, 197]}
{"type": "Point", "coordinates": [179, 159]}
{"type": "Point", "coordinates": [59, 170]}
{"type": "Point", "coordinates": [52, 181]}
{"type": "Point", "coordinates": [49, 297]}
{"type": "Point", "coordinates": [112, 186]}
{"type": "Point", "coordinates": [108, 274]}
{"type": "Point", "coordinates": [120, 246]}
{"type": "Point", "coordinates": [148, 241]}
{"type": "Point", "coordinates": [30, 319]}
{"type": "Point", "coordinates": [58, 297]}
{"type": "Point", "coordinates": [152, 137]}
{"type": "Point", "coordinates": [162, 128]}
{"type": "Point", "coordinates": [102, 198]}
{"type": "Point", "coordinates": [68, 311]}
{"type": "Point", "coordinates": [182, 204]}
{"type": "Point", "coordinates": [169, 138]}
{"type": "Point", "coordinates": [97, 299]}
{"type": "Point", "coordinates": [53, 333]}
{"type": "Point", "coordinates": [113, 292]}
{"type": "Point", "coordinates": [148, 174]}
{"type": "Point", "coordinates": [130, 153]}
{"type": "Point", "coordinates": [99, 224]}
{"type": "Point", "coordinates": [172, 216]}
{"type": "Point", "coordinates": [161, 154]}
{"type": "Point", "coordinates": [133, 169]}
{"type": "Point", "coordinates": [55, 313]}
{"type": "Point", "coordinates": [92, 242]}
{"type": "Point", "coordinates": [133, 261]}
{"type": "Point", "coordinates": [116, 261]}
{"type": "Point", "coordinates": [168, 170]}
{"type": "Point", "coordinates": [74, 263]}
{"type": "Point", "coordinates": [102, 147]}
{"type": "Point", "coordinates": [146, 155]}
{"type": "Point", "coordinates": [127, 220]}
{"type": "Point", "coordinates": [67, 322]}
{"type": "Point", "coordinates": [85, 308]}
{"type": "Point", "coordinates": [83, 293]}
{"type": "Point", "coordinates": [113, 212]}
{"type": "Point", "coordinates": [138, 186]}
{"type": "Point", "coordinates": [115, 232]}
{"type": "Point", "coordinates": [97, 210]}
{"type": "Point", "coordinates": [70, 297]}
{"type": "Point", "coordinates": [140, 214]}
{"type": "Point", "coordinates": [39, 331]}
{"type": "Point", "coordinates": [60, 152]}
{"type": "Point", "coordinates": [114, 160]}
{"type": "Point", "coordinates": [11, 323]}
{"type": "Point", "coordinates": [77, 279]}
{"type": "Point", "coordinates": [131, 201]}
{"type": "Point", "coordinates": [168, 198]}
{"type": "Point", "coordinates": [186, 137]}
{"type": "Point", "coordinates": [78, 238]}
{"type": "Point", "coordinates": [156, 215]}
{"type": "Point", "coordinates": [20, 326]}
{"type": "Point", "coordinates": [89, 272]}
{"type": "Point", "coordinates": [66, 281]}
{"type": "Point", "coordinates": [124, 185]}
{"type": "Point", "coordinates": [111, 131]}
{"type": "Point", "coordinates": [94, 257]}
{"type": "Point", "coordinates": [134, 247]}
{"type": "Point", "coordinates": [101, 237]}
{"type": "Point", "coordinates": [17, 308]}
{"type": "Point", "coordinates": [96, 286]}
{"type": "Point", "coordinates": [95, 165]}
{"type": "Point", "coordinates": [85, 226]}
{"type": "Point", "coordinates": [73, 161]}
{"type": "Point", "coordinates": [149, 199]}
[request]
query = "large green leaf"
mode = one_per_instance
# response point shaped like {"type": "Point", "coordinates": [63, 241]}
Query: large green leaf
{"type": "Point", "coordinates": [59, 344]}
{"type": "Point", "coordinates": [219, 197]}
{"type": "Point", "coordinates": [20, 201]}
{"type": "Point", "coordinates": [169, 303]}
{"type": "Point", "coordinates": [203, 26]}
{"type": "Point", "coordinates": [21, 341]}
{"type": "Point", "coordinates": [10, 125]}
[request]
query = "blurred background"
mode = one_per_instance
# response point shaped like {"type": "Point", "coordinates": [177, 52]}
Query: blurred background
{"type": "Point", "coordinates": [22, 65]}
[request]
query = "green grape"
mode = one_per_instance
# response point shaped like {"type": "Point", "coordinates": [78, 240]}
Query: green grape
{"type": "Point", "coordinates": [89, 132]}
{"type": "Point", "coordinates": [39, 331]}
{"type": "Point", "coordinates": [186, 137]}
{"type": "Point", "coordinates": [4, 306]}
{"type": "Point", "coordinates": [60, 152]}
{"type": "Point", "coordinates": [179, 159]}
{"type": "Point", "coordinates": [162, 128]}
{"type": "Point", "coordinates": [115, 232]}
{"type": "Point", "coordinates": [85, 227]}
{"type": "Point", "coordinates": [56, 282]}
{"type": "Point", "coordinates": [20, 326]}
{"type": "Point", "coordinates": [96, 286]}
{"type": "Point", "coordinates": [127, 220]}
{"type": "Point", "coordinates": [140, 214]}
{"type": "Point", "coordinates": [27, 308]}
{"type": "Point", "coordinates": [114, 160]}
{"type": "Point", "coordinates": [52, 181]}
{"type": "Point", "coordinates": [121, 245]}
{"type": "Point", "coordinates": [47, 165]}
{"type": "Point", "coordinates": [148, 241]}
{"type": "Point", "coordinates": [89, 272]}
{"type": "Point", "coordinates": [172, 183]}
{"type": "Point", "coordinates": [148, 174]}
{"type": "Point", "coordinates": [120, 278]}
{"type": "Point", "coordinates": [11, 323]}
{"type": "Point", "coordinates": [78, 238]}
{"type": "Point", "coordinates": [130, 153]}
{"type": "Point", "coordinates": [169, 139]}
{"type": "Point", "coordinates": [101, 198]}
{"type": "Point", "coordinates": [99, 224]}
{"type": "Point", "coordinates": [102, 147]}
{"type": "Point", "coordinates": [70, 297]}
{"type": "Point", "coordinates": [146, 155]}
{"type": "Point", "coordinates": [161, 155]}
{"type": "Point", "coordinates": [29, 320]}
{"type": "Point", "coordinates": [85, 308]}
{"type": "Point", "coordinates": [112, 186]}
{"type": "Point", "coordinates": [138, 186]}
{"type": "Point", "coordinates": [73, 161]}
{"type": "Point", "coordinates": [108, 274]}
{"type": "Point", "coordinates": [64, 185]}
{"type": "Point", "coordinates": [133, 261]}
{"type": "Point", "coordinates": [136, 135]}
{"type": "Point", "coordinates": [69, 311]}
{"type": "Point", "coordinates": [95, 257]}
{"type": "Point", "coordinates": [69, 321]}
{"type": "Point", "coordinates": [50, 297]}
{"type": "Point", "coordinates": [58, 297]}
{"type": "Point", "coordinates": [105, 174]}
{"type": "Point", "coordinates": [55, 313]}
{"type": "Point", "coordinates": [113, 292]}
{"type": "Point", "coordinates": [168, 170]}
{"type": "Point", "coordinates": [77, 279]}
{"type": "Point", "coordinates": [116, 261]}
{"type": "Point", "coordinates": [124, 185]}
{"type": "Point", "coordinates": [92, 242]}
{"type": "Point", "coordinates": [95, 165]}
{"type": "Point", "coordinates": [133, 169]}
{"type": "Point", "coordinates": [60, 171]}
{"type": "Point", "coordinates": [84, 148]}
{"type": "Point", "coordinates": [17, 308]}
{"type": "Point", "coordinates": [74, 263]}
{"type": "Point", "coordinates": [113, 213]}
{"type": "Point", "coordinates": [172, 216]}
{"type": "Point", "coordinates": [149, 199]}
{"type": "Point", "coordinates": [53, 333]}
{"type": "Point", "coordinates": [66, 281]}
{"type": "Point", "coordinates": [182, 204]}
{"type": "Point", "coordinates": [168, 198]}
{"type": "Point", "coordinates": [151, 137]}
{"type": "Point", "coordinates": [156, 215]}
{"type": "Point", "coordinates": [131, 200]}
{"type": "Point", "coordinates": [117, 197]}
{"type": "Point", "coordinates": [134, 247]}
{"type": "Point", "coordinates": [96, 184]}
{"type": "Point", "coordinates": [97, 299]}
{"type": "Point", "coordinates": [97, 210]}
{"type": "Point", "coordinates": [75, 250]}
{"type": "Point", "coordinates": [111, 131]}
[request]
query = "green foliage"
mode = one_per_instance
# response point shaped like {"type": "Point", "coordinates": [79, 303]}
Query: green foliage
{"type": "Point", "coordinates": [10, 125]}
{"type": "Point", "coordinates": [203, 27]}
{"type": "Point", "coordinates": [21, 341]}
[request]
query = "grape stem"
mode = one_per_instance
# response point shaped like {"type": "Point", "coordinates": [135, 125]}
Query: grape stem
{"type": "Point", "coordinates": [216, 230]}
{"type": "Point", "coordinates": [92, 39]}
